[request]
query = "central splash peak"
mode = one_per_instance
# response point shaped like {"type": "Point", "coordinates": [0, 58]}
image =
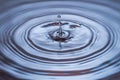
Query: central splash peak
{"type": "Point", "coordinates": [60, 35]}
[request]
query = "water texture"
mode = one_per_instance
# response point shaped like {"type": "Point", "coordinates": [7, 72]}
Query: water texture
{"type": "Point", "coordinates": [60, 40]}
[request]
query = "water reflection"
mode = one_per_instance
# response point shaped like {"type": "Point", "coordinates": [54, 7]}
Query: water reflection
{"type": "Point", "coordinates": [59, 40]}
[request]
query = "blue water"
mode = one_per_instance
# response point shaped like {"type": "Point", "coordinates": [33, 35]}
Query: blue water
{"type": "Point", "coordinates": [60, 40]}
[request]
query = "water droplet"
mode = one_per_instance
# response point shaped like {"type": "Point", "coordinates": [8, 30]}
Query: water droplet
{"type": "Point", "coordinates": [58, 16]}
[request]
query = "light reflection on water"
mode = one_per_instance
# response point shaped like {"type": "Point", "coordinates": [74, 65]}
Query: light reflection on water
{"type": "Point", "coordinates": [59, 40]}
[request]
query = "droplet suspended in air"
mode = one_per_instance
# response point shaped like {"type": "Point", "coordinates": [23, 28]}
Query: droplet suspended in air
{"type": "Point", "coordinates": [58, 16]}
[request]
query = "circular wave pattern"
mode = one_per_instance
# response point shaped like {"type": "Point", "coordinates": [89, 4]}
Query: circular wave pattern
{"type": "Point", "coordinates": [60, 40]}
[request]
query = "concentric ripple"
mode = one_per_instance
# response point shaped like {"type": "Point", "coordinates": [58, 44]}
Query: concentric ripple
{"type": "Point", "coordinates": [59, 40]}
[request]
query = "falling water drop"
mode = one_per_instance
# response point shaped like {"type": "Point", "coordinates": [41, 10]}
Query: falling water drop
{"type": "Point", "coordinates": [58, 16]}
